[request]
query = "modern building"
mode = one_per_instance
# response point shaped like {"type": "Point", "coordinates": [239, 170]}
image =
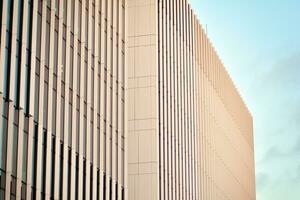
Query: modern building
{"type": "Point", "coordinates": [117, 99]}
{"type": "Point", "coordinates": [62, 99]}
{"type": "Point", "coordinates": [190, 134]}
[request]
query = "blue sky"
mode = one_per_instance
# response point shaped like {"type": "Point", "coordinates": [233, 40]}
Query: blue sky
{"type": "Point", "coordinates": [259, 43]}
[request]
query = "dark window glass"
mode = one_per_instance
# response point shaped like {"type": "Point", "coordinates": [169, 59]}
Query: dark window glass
{"type": "Point", "coordinates": [23, 191]}
{"type": "Point", "coordinates": [7, 54]}
{"type": "Point", "coordinates": [47, 40]}
{"type": "Point", "coordinates": [43, 168]}
{"type": "Point", "coordinates": [98, 184]}
{"type": "Point", "coordinates": [36, 98]}
{"type": "Point", "coordinates": [69, 172]}
{"type": "Point", "coordinates": [91, 182]}
{"type": "Point", "coordinates": [1, 6]}
{"type": "Point", "coordinates": [63, 67]}
{"type": "Point", "coordinates": [18, 54]}
{"type": "Point", "coordinates": [72, 15]}
{"type": "Point", "coordinates": [38, 36]}
{"type": "Point", "coordinates": [14, 151]}
{"type": "Point", "coordinates": [71, 67]}
{"type": "Point", "coordinates": [3, 143]}
{"type": "Point", "coordinates": [116, 190]}
{"type": "Point", "coordinates": [65, 11]}
{"type": "Point", "coordinates": [61, 169]}
{"type": "Point", "coordinates": [2, 184]}
{"type": "Point", "coordinates": [45, 110]}
{"type": "Point", "coordinates": [52, 166]}
{"type": "Point", "coordinates": [62, 117]}
{"type": "Point", "coordinates": [13, 188]}
{"type": "Point", "coordinates": [77, 130]}
{"type": "Point", "coordinates": [28, 57]}
{"type": "Point", "coordinates": [84, 178]}
{"type": "Point", "coordinates": [56, 8]}
{"type": "Point", "coordinates": [34, 160]}
{"type": "Point", "coordinates": [79, 19]}
{"type": "Point", "coordinates": [104, 186]}
{"type": "Point", "coordinates": [110, 188]}
{"type": "Point", "coordinates": [70, 125]}
{"type": "Point", "coordinates": [24, 157]}
{"type": "Point", "coordinates": [27, 82]}
{"type": "Point", "coordinates": [55, 51]}
{"type": "Point", "coordinates": [76, 176]}
{"type": "Point", "coordinates": [54, 111]}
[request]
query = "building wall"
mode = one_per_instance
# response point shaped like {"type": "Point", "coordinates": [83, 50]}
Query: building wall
{"type": "Point", "coordinates": [177, 102]}
{"type": "Point", "coordinates": [190, 134]}
{"type": "Point", "coordinates": [66, 104]}
{"type": "Point", "coordinates": [62, 99]}
{"type": "Point", "coordinates": [142, 100]}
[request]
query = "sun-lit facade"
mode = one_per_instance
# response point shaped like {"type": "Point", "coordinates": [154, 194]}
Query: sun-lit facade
{"type": "Point", "coordinates": [117, 99]}
{"type": "Point", "coordinates": [190, 134]}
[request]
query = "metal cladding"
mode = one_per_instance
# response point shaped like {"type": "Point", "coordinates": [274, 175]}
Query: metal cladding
{"type": "Point", "coordinates": [190, 134]}
{"type": "Point", "coordinates": [117, 99]}
{"type": "Point", "coordinates": [62, 99]}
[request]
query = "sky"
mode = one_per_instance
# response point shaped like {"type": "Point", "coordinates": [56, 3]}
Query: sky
{"type": "Point", "coordinates": [259, 44]}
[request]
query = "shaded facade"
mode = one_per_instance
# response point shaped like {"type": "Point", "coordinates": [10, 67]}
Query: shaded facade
{"type": "Point", "coordinates": [62, 99]}
{"type": "Point", "coordinates": [190, 134]}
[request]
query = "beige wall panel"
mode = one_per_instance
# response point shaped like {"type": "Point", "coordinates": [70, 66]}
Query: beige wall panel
{"type": "Point", "coordinates": [207, 104]}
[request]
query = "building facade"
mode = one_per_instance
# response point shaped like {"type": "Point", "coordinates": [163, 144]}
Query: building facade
{"type": "Point", "coordinates": [62, 99]}
{"type": "Point", "coordinates": [190, 134]}
{"type": "Point", "coordinates": [98, 105]}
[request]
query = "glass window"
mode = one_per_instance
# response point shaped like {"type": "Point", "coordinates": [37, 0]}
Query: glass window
{"type": "Point", "coordinates": [77, 130]}
{"type": "Point", "coordinates": [45, 110]}
{"type": "Point", "coordinates": [38, 36]}
{"type": "Point", "coordinates": [76, 176]}
{"type": "Point", "coordinates": [72, 15]}
{"type": "Point", "coordinates": [84, 177]}
{"type": "Point", "coordinates": [18, 55]}
{"type": "Point", "coordinates": [23, 191]}
{"type": "Point", "coordinates": [69, 172]}
{"type": "Point", "coordinates": [54, 111]}
{"type": "Point", "coordinates": [55, 52]}
{"type": "Point", "coordinates": [61, 169]}
{"type": "Point", "coordinates": [116, 190]}
{"type": "Point", "coordinates": [34, 158]}
{"type": "Point", "coordinates": [65, 12]}
{"type": "Point", "coordinates": [14, 151]}
{"type": "Point", "coordinates": [3, 143]}
{"type": "Point", "coordinates": [1, 6]}
{"type": "Point", "coordinates": [110, 188]}
{"type": "Point", "coordinates": [24, 157]}
{"type": "Point", "coordinates": [104, 186]}
{"type": "Point", "coordinates": [6, 66]}
{"type": "Point", "coordinates": [62, 116]}
{"type": "Point", "coordinates": [13, 188]}
{"type": "Point", "coordinates": [79, 19]}
{"type": "Point", "coordinates": [70, 125]}
{"type": "Point", "coordinates": [27, 83]}
{"type": "Point", "coordinates": [36, 98]}
{"type": "Point", "coordinates": [91, 182]}
{"type": "Point", "coordinates": [98, 184]}
{"type": "Point", "coordinates": [56, 8]}
{"type": "Point", "coordinates": [71, 67]}
{"type": "Point", "coordinates": [43, 167]}
{"type": "Point", "coordinates": [52, 166]}
{"type": "Point", "coordinates": [47, 42]}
